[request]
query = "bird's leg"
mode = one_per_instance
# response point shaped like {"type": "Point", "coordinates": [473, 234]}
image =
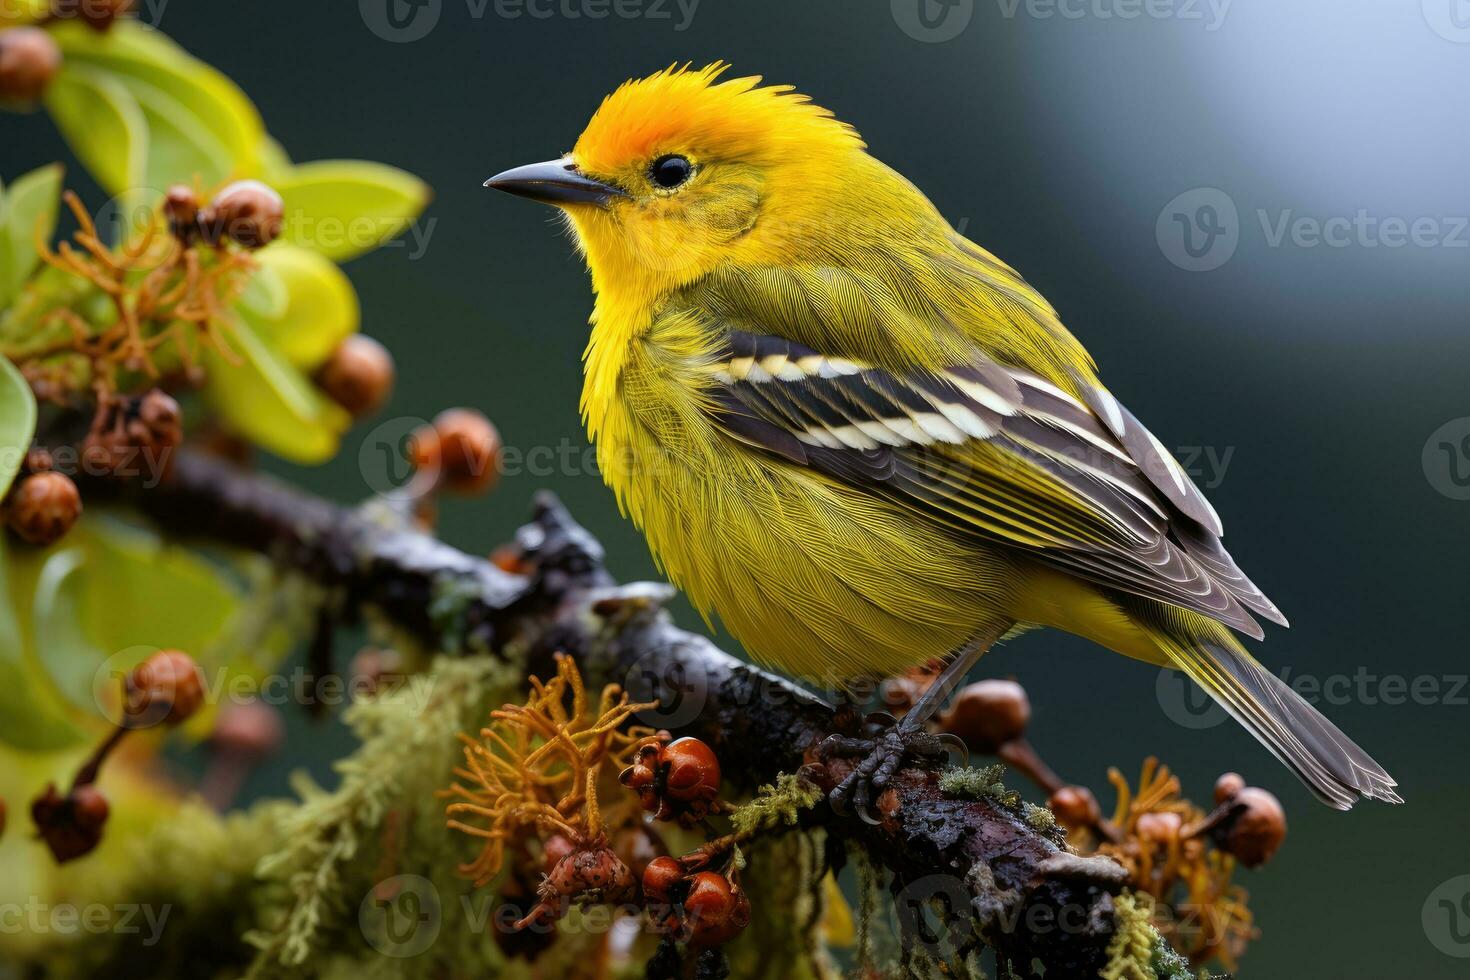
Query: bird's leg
{"type": "Point", "coordinates": [883, 752]}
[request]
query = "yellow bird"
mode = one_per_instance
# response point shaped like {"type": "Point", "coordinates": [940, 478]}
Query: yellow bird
{"type": "Point", "coordinates": [863, 440]}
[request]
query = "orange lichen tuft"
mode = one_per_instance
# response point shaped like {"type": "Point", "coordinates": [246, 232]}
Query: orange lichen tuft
{"type": "Point", "coordinates": [536, 767]}
{"type": "Point", "coordinates": [1162, 842]}
{"type": "Point", "coordinates": [159, 289]}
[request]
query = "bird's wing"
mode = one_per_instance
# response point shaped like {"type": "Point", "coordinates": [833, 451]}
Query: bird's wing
{"type": "Point", "coordinates": [993, 451]}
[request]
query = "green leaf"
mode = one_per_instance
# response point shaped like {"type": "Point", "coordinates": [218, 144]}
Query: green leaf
{"type": "Point", "coordinates": [274, 161]}
{"type": "Point", "coordinates": [28, 212]}
{"type": "Point", "coordinates": [265, 294]}
{"type": "Point", "coordinates": [17, 422]}
{"type": "Point", "coordinates": [74, 618]}
{"type": "Point", "coordinates": [142, 60]}
{"type": "Point", "coordinates": [268, 400]}
{"type": "Point", "coordinates": [343, 208]}
{"type": "Point", "coordinates": [320, 307]}
{"type": "Point", "coordinates": [114, 598]}
{"type": "Point", "coordinates": [32, 717]}
{"type": "Point", "coordinates": [181, 148]}
{"type": "Point", "coordinates": [103, 124]}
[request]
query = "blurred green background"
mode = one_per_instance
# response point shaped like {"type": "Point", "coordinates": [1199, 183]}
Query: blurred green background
{"type": "Point", "coordinates": [1317, 384]}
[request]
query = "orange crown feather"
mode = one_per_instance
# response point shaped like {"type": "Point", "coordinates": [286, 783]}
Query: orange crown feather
{"type": "Point", "coordinates": [688, 110]}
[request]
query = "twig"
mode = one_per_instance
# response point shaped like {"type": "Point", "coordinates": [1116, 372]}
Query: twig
{"type": "Point", "coordinates": [1007, 881]}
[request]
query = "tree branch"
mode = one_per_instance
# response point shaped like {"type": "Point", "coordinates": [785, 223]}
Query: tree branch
{"type": "Point", "coordinates": [996, 877]}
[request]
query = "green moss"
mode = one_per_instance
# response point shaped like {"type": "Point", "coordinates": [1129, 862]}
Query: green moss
{"type": "Point", "coordinates": [974, 784]}
{"type": "Point", "coordinates": [776, 805]}
{"type": "Point", "coordinates": [1131, 952]}
{"type": "Point", "coordinates": [376, 847]}
{"type": "Point", "coordinates": [1039, 817]}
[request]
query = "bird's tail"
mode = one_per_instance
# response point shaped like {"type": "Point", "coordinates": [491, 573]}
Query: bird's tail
{"type": "Point", "coordinates": [1316, 750]}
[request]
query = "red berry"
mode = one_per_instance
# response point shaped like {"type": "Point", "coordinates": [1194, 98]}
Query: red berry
{"type": "Point", "coordinates": [89, 807]}
{"type": "Point", "coordinates": [1227, 786]}
{"type": "Point", "coordinates": [247, 212]}
{"type": "Point", "coordinates": [1257, 828]}
{"type": "Point", "coordinates": [358, 375]}
{"type": "Point", "coordinates": [43, 506]}
{"type": "Point", "coordinates": [29, 59]}
{"type": "Point", "coordinates": [468, 450]}
{"type": "Point", "coordinates": [1075, 806]}
{"type": "Point", "coordinates": [70, 825]}
{"type": "Point", "coordinates": [715, 910]}
{"type": "Point", "coordinates": [988, 714]}
{"type": "Point", "coordinates": [167, 687]}
{"type": "Point", "coordinates": [662, 876]}
{"type": "Point", "coordinates": [693, 773]}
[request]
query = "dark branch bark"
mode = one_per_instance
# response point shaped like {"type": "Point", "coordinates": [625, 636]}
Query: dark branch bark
{"type": "Point", "coordinates": [1005, 883]}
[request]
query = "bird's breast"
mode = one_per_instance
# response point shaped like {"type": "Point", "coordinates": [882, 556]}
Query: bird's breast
{"type": "Point", "coordinates": [816, 577]}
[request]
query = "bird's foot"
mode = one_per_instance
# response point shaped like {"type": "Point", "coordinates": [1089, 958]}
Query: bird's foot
{"type": "Point", "coordinates": [881, 754]}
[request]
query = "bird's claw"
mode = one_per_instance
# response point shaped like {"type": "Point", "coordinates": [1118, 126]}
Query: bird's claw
{"type": "Point", "coordinates": [879, 721]}
{"type": "Point", "coordinates": [954, 745]}
{"type": "Point", "coordinates": [881, 757]}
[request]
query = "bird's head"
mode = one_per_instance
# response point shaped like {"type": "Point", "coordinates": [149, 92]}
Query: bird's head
{"type": "Point", "coordinates": [679, 171]}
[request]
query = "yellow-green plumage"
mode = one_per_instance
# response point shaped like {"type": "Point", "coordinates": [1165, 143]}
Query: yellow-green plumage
{"type": "Point", "coordinates": [862, 440]}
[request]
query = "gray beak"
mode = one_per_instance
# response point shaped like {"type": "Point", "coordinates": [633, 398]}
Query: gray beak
{"type": "Point", "coordinates": [554, 182]}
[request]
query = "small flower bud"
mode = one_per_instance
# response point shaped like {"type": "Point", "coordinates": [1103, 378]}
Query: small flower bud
{"type": "Point", "coordinates": [1075, 806]}
{"type": "Point", "coordinates": [468, 450]}
{"type": "Point", "coordinates": [1160, 826]}
{"type": "Point", "coordinates": [358, 375]}
{"type": "Point", "coordinates": [988, 714]}
{"type": "Point", "coordinates": [43, 506]}
{"type": "Point", "coordinates": [1256, 828]}
{"type": "Point", "coordinates": [29, 59]}
{"type": "Point", "coordinates": [247, 212]}
{"type": "Point", "coordinates": [166, 688]}
{"type": "Point", "coordinates": [160, 422]}
{"type": "Point", "coordinates": [1227, 786]}
{"type": "Point", "coordinates": [181, 210]}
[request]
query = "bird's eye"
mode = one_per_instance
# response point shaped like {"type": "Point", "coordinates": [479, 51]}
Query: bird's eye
{"type": "Point", "coordinates": [670, 170]}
